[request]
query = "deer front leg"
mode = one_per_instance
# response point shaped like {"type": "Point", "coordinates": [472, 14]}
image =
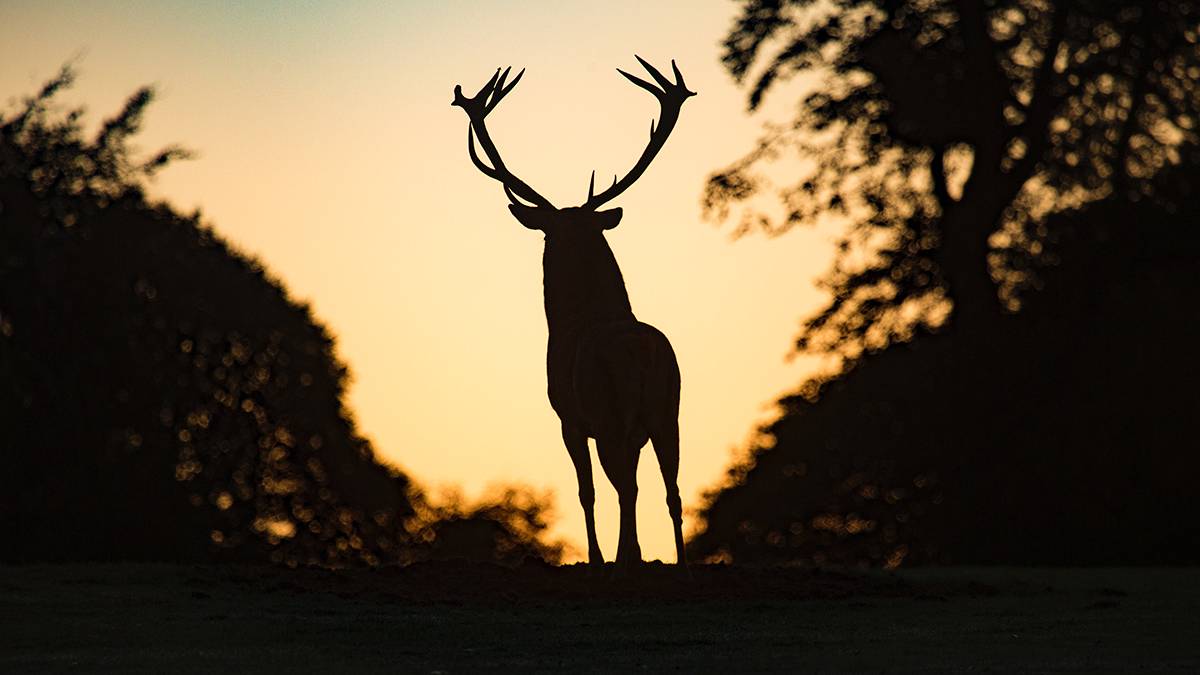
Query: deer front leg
{"type": "Point", "coordinates": [577, 446]}
{"type": "Point", "coordinates": [629, 552]}
{"type": "Point", "coordinates": [620, 465]}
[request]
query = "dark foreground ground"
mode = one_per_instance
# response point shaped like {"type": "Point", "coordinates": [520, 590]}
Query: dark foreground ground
{"type": "Point", "coordinates": [454, 618]}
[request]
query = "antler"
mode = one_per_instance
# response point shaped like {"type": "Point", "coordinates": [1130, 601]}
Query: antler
{"type": "Point", "coordinates": [670, 97]}
{"type": "Point", "coordinates": [477, 108]}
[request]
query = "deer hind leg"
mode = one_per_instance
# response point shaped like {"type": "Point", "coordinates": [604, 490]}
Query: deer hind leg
{"type": "Point", "coordinates": [666, 447]}
{"type": "Point", "coordinates": [577, 446]}
{"type": "Point", "coordinates": [620, 462]}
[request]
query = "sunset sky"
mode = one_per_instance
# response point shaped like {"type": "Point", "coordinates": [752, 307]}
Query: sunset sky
{"type": "Point", "coordinates": [327, 147]}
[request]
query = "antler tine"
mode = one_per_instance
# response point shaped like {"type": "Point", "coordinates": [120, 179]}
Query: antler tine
{"type": "Point", "coordinates": [489, 87]}
{"type": "Point", "coordinates": [501, 90]}
{"type": "Point", "coordinates": [670, 99]}
{"type": "Point", "coordinates": [679, 79]}
{"type": "Point", "coordinates": [499, 84]}
{"type": "Point", "coordinates": [642, 83]}
{"type": "Point", "coordinates": [592, 184]}
{"type": "Point", "coordinates": [658, 77]}
{"type": "Point", "coordinates": [513, 84]}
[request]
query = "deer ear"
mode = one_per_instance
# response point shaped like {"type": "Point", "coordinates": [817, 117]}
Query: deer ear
{"type": "Point", "coordinates": [529, 216]}
{"type": "Point", "coordinates": [609, 219]}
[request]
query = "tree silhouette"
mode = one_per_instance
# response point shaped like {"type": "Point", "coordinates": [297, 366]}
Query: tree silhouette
{"type": "Point", "coordinates": [1071, 442]}
{"type": "Point", "coordinates": [977, 152]}
{"type": "Point", "coordinates": [161, 397]}
{"type": "Point", "coordinates": [507, 526]}
{"type": "Point", "coordinates": [944, 134]}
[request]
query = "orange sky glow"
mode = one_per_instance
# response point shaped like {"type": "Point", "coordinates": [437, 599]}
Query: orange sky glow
{"type": "Point", "coordinates": [328, 148]}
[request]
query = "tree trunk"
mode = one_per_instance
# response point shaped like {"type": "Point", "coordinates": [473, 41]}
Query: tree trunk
{"type": "Point", "coordinates": [962, 254]}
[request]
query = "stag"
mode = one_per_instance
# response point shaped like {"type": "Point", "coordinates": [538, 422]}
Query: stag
{"type": "Point", "coordinates": [610, 377]}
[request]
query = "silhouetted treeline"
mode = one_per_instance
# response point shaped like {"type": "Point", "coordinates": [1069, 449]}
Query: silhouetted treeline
{"type": "Point", "coordinates": [1016, 180]}
{"type": "Point", "coordinates": [1067, 436]}
{"type": "Point", "coordinates": [161, 397]}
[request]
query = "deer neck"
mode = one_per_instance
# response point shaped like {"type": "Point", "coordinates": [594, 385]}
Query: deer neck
{"type": "Point", "coordinates": [583, 287]}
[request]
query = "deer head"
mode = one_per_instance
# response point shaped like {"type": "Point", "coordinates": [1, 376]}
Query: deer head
{"type": "Point", "coordinates": [535, 211]}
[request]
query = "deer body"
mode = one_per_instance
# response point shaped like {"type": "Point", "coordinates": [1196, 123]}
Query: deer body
{"type": "Point", "coordinates": [610, 377]}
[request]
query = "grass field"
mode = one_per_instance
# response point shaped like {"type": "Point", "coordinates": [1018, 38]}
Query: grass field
{"type": "Point", "coordinates": [454, 618]}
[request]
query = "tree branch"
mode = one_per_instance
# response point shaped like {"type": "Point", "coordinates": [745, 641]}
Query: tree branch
{"type": "Point", "coordinates": [1043, 103]}
{"type": "Point", "coordinates": [937, 171]}
{"type": "Point", "coordinates": [981, 51]}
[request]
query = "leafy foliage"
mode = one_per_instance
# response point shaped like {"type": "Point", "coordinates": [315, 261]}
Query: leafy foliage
{"type": "Point", "coordinates": [162, 397]}
{"type": "Point", "coordinates": [507, 526]}
{"type": "Point", "coordinates": [1067, 440]}
{"type": "Point", "coordinates": [975, 152]}
{"type": "Point", "coordinates": [945, 132]}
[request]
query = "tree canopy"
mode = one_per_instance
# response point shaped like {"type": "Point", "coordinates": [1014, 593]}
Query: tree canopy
{"type": "Point", "coordinates": [163, 398]}
{"type": "Point", "coordinates": [944, 133]}
{"type": "Point", "coordinates": [1017, 177]}
{"type": "Point", "coordinates": [1067, 441]}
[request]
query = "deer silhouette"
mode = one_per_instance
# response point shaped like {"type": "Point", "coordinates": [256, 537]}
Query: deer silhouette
{"type": "Point", "coordinates": [610, 377]}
